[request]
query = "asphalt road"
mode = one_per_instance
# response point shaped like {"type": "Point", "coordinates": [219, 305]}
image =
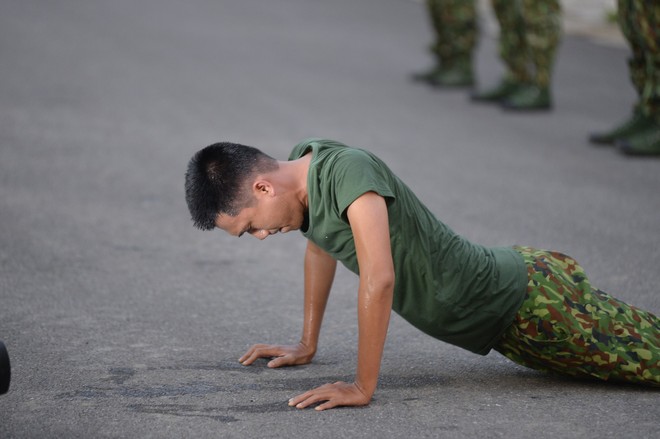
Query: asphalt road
{"type": "Point", "coordinates": [122, 320]}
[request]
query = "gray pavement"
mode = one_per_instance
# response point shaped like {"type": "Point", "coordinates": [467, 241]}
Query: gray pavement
{"type": "Point", "coordinates": [121, 320]}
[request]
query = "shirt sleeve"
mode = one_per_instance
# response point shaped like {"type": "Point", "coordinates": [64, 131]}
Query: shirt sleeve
{"type": "Point", "coordinates": [356, 173]}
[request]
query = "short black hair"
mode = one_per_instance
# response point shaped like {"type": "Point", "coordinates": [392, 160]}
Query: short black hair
{"type": "Point", "coordinates": [216, 177]}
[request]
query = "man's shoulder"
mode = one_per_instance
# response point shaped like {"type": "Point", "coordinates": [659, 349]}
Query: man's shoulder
{"type": "Point", "coordinates": [317, 145]}
{"type": "Point", "coordinates": [304, 147]}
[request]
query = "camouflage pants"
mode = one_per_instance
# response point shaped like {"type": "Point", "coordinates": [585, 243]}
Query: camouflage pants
{"type": "Point", "coordinates": [568, 327]}
{"type": "Point", "coordinates": [455, 26]}
{"type": "Point", "coordinates": [640, 23]}
{"type": "Point", "coordinates": [530, 31]}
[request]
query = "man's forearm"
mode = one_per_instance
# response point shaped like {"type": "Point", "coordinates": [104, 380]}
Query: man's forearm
{"type": "Point", "coordinates": [374, 309]}
{"type": "Point", "coordinates": [320, 270]}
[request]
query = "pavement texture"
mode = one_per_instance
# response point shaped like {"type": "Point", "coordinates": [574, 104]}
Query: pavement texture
{"type": "Point", "coordinates": [121, 320]}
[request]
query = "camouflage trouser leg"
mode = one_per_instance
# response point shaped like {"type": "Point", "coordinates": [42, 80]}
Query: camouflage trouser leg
{"type": "Point", "coordinates": [512, 43]}
{"type": "Point", "coordinates": [567, 326]}
{"type": "Point", "coordinates": [529, 35]}
{"type": "Point", "coordinates": [542, 20]}
{"type": "Point", "coordinates": [637, 63]}
{"type": "Point", "coordinates": [455, 26]}
{"type": "Point", "coordinates": [640, 24]}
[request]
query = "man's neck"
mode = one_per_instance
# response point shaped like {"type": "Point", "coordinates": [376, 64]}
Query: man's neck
{"type": "Point", "coordinates": [294, 176]}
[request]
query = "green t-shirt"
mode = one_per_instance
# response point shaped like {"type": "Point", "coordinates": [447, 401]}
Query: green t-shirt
{"type": "Point", "coordinates": [448, 287]}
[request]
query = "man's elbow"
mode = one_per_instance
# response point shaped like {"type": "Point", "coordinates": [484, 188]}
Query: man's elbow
{"type": "Point", "coordinates": [381, 284]}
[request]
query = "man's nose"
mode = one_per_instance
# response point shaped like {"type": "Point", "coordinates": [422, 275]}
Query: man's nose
{"type": "Point", "coordinates": [260, 234]}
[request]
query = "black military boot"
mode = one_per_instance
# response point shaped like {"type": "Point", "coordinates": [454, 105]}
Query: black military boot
{"type": "Point", "coordinates": [643, 143]}
{"type": "Point", "coordinates": [496, 94]}
{"type": "Point", "coordinates": [429, 76]}
{"type": "Point", "coordinates": [456, 74]}
{"type": "Point", "coordinates": [637, 123]}
{"type": "Point", "coordinates": [528, 97]}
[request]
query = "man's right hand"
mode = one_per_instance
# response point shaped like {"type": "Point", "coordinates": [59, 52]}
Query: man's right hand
{"type": "Point", "coordinates": [283, 355]}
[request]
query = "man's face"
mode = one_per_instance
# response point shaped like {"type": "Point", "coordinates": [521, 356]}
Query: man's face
{"type": "Point", "coordinates": [267, 216]}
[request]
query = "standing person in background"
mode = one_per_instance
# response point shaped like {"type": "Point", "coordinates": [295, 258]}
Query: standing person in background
{"type": "Point", "coordinates": [640, 135]}
{"type": "Point", "coordinates": [530, 31]}
{"type": "Point", "coordinates": [455, 25]}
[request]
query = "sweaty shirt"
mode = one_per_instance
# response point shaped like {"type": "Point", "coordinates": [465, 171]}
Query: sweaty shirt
{"type": "Point", "coordinates": [451, 289]}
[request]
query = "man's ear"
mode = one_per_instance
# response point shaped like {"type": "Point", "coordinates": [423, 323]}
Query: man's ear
{"type": "Point", "coordinates": [263, 187]}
